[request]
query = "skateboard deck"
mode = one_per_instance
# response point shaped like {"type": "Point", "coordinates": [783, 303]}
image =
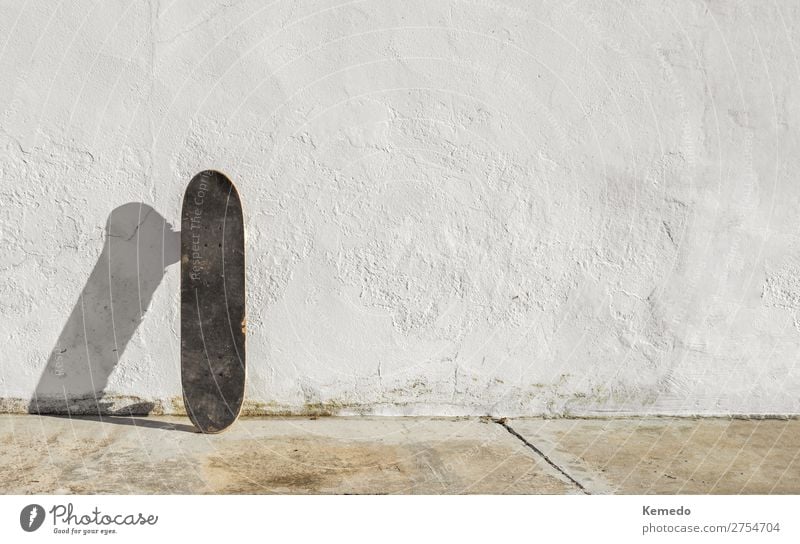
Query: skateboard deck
{"type": "Point", "coordinates": [213, 332]}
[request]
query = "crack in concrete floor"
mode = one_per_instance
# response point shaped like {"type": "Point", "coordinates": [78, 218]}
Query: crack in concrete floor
{"type": "Point", "coordinates": [504, 423]}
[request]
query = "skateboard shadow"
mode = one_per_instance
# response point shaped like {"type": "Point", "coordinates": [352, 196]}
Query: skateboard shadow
{"type": "Point", "coordinates": [139, 245]}
{"type": "Point", "coordinates": [133, 421]}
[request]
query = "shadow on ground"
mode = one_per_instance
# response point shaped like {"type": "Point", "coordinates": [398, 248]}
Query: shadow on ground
{"type": "Point", "coordinates": [118, 419]}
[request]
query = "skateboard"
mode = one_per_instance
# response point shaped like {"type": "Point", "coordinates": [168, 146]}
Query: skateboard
{"type": "Point", "coordinates": [213, 331]}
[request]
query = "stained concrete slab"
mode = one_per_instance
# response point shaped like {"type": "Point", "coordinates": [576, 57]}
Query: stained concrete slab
{"type": "Point", "coordinates": [671, 455]}
{"type": "Point", "coordinates": [119, 455]}
{"type": "Point", "coordinates": [163, 455]}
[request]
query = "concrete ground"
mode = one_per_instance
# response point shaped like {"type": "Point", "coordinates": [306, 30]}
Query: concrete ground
{"type": "Point", "coordinates": [399, 455]}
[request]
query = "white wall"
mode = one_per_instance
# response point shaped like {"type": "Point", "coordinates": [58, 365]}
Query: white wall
{"type": "Point", "coordinates": [453, 207]}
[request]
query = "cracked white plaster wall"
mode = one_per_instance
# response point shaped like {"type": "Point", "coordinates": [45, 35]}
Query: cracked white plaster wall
{"type": "Point", "coordinates": [461, 207]}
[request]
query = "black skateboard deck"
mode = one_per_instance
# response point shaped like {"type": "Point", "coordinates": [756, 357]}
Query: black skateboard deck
{"type": "Point", "coordinates": [212, 302]}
